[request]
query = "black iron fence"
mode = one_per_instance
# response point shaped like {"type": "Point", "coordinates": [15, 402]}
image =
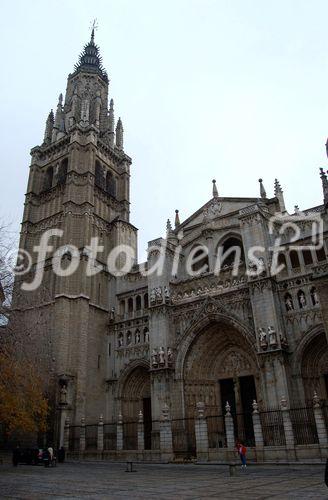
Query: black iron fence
{"type": "Point", "coordinates": [110, 436]}
{"type": "Point", "coordinates": [216, 431]}
{"type": "Point", "coordinates": [74, 437]}
{"type": "Point", "coordinates": [272, 428]}
{"type": "Point", "coordinates": [183, 431]}
{"type": "Point", "coordinates": [183, 438]}
{"type": "Point", "coordinates": [304, 426]}
{"type": "Point", "coordinates": [91, 433]}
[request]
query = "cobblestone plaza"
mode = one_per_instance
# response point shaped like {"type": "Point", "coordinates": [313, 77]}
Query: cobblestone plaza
{"type": "Point", "coordinates": [109, 480]}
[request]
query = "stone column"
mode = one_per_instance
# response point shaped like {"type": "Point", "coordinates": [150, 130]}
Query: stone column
{"type": "Point", "coordinates": [201, 433]}
{"type": "Point", "coordinates": [288, 429]}
{"type": "Point", "coordinates": [82, 435]}
{"type": "Point", "coordinates": [229, 428]}
{"type": "Point", "coordinates": [258, 435]}
{"type": "Point", "coordinates": [119, 432]}
{"type": "Point", "coordinates": [66, 434]}
{"type": "Point", "coordinates": [319, 421]}
{"type": "Point", "coordinates": [100, 434]}
{"type": "Point", "coordinates": [165, 438]}
{"type": "Point", "coordinates": [141, 435]}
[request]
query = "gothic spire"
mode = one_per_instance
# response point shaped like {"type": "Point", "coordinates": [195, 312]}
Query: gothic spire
{"type": "Point", "coordinates": [119, 134]}
{"type": "Point", "coordinates": [90, 59]}
{"type": "Point", "coordinates": [215, 189]}
{"type": "Point", "coordinates": [49, 126]}
{"type": "Point", "coordinates": [59, 126]}
{"type": "Point", "coordinates": [177, 219]}
{"type": "Point", "coordinates": [324, 181]}
{"type": "Point", "coordinates": [262, 190]}
{"type": "Point", "coordinates": [278, 192]}
{"type": "Point", "coordinates": [111, 122]}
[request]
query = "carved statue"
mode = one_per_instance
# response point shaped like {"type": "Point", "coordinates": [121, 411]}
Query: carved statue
{"type": "Point", "coordinates": [120, 340]}
{"type": "Point", "coordinates": [272, 336]}
{"type": "Point", "coordinates": [153, 296]}
{"type": "Point", "coordinates": [129, 338]}
{"type": "Point", "coordinates": [137, 337]}
{"type": "Point", "coordinates": [154, 356]}
{"type": "Point", "coordinates": [161, 356]}
{"type": "Point", "coordinates": [315, 298]}
{"type": "Point", "coordinates": [112, 314]}
{"type": "Point", "coordinates": [146, 337]}
{"type": "Point", "coordinates": [158, 294]}
{"type": "Point", "coordinates": [169, 356]}
{"type": "Point", "coordinates": [166, 294]}
{"type": "Point", "coordinates": [63, 395]}
{"type": "Point", "coordinates": [263, 337]}
{"type": "Point", "coordinates": [302, 300]}
{"type": "Point", "coordinates": [289, 303]}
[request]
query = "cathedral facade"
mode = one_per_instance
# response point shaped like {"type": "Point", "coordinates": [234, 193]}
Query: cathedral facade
{"type": "Point", "coordinates": [208, 318]}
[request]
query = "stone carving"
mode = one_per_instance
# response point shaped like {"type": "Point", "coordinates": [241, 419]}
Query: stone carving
{"type": "Point", "coordinates": [200, 409]}
{"type": "Point", "coordinates": [263, 338]}
{"type": "Point", "coordinates": [255, 406]}
{"type": "Point", "coordinates": [166, 294]}
{"type": "Point", "coordinates": [272, 337]}
{"type": "Point", "coordinates": [63, 395]}
{"type": "Point", "coordinates": [302, 300]}
{"type": "Point", "coordinates": [152, 296]}
{"type": "Point", "coordinates": [137, 337]}
{"type": "Point", "coordinates": [161, 355]}
{"type": "Point", "coordinates": [154, 358]}
{"type": "Point", "coordinates": [169, 356]}
{"type": "Point", "coordinates": [120, 340]}
{"type": "Point", "coordinates": [316, 400]}
{"type": "Point", "coordinates": [283, 341]}
{"type": "Point", "coordinates": [315, 298]}
{"type": "Point", "coordinates": [129, 338]}
{"type": "Point", "coordinates": [283, 403]}
{"type": "Point", "coordinates": [289, 303]}
{"type": "Point", "coordinates": [227, 409]}
{"type": "Point", "coordinates": [158, 294]}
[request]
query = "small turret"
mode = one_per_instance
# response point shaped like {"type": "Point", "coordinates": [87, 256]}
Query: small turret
{"type": "Point", "coordinates": [262, 190]}
{"type": "Point", "coordinates": [49, 127]}
{"type": "Point", "coordinates": [278, 192]}
{"type": "Point", "coordinates": [324, 181]}
{"type": "Point", "coordinates": [119, 135]}
{"type": "Point", "coordinates": [215, 189]}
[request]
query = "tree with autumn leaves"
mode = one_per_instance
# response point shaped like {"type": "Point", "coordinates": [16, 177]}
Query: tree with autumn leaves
{"type": "Point", "coordinates": [25, 355]}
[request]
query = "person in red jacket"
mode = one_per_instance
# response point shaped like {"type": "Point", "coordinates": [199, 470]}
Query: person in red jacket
{"type": "Point", "coordinates": [241, 449]}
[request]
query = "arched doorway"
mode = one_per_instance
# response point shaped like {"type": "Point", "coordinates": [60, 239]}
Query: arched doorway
{"type": "Point", "coordinates": [220, 366]}
{"type": "Point", "coordinates": [135, 397]}
{"type": "Point", "coordinates": [314, 367]}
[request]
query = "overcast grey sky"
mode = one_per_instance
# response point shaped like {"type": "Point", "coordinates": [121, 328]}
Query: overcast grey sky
{"type": "Point", "coordinates": [233, 90]}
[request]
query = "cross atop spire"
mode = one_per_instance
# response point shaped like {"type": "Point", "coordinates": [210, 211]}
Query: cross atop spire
{"type": "Point", "coordinates": [90, 59]}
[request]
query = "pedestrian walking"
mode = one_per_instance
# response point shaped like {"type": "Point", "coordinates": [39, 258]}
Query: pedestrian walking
{"type": "Point", "coordinates": [241, 449]}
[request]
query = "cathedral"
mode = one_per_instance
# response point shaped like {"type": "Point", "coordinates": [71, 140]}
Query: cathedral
{"type": "Point", "coordinates": [214, 323]}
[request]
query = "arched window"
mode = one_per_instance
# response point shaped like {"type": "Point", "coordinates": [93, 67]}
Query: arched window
{"type": "Point", "coordinates": [301, 299]}
{"type": "Point", "coordinates": [138, 303]}
{"type": "Point", "coordinates": [281, 261]}
{"type": "Point", "coordinates": [321, 254]}
{"type": "Point", "coordinates": [130, 305]}
{"type": "Point", "coordinates": [146, 334]}
{"type": "Point", "coordinates": [122, 307]}
{"type": "Point", "coordinates": [199, 259]}
{"type": "Point", "coordinates": [48, 178]}
{"type": "Point", "coordinates": [314, 296]}
{"type": "Point", "coordinates": [229, 251]}
{"type": "Point", "coordinates": [110, 184]}
{"type": "Point", "coordinates": [289, 302]}
{"type": "Point", "coordinates": [99, 175]}
{"type": "Point", "coordinates": [294, 260]}
{"type": "Point", "coordinates": [62, 172]}
{"type": "Point", "coordinates": [146, 301]}
{"type": "Point", "coordinates": [307, 257]}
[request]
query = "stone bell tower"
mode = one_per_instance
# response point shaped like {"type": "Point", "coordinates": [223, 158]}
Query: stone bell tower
{"type": "Point", "coordinates": [79, 183]}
